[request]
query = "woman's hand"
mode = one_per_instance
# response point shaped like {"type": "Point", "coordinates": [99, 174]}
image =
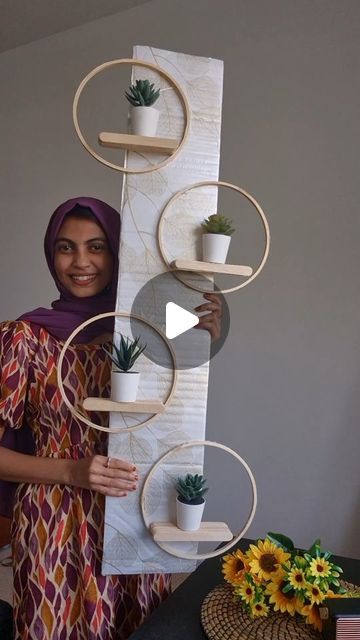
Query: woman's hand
{"type": "Point", "coordinates": [211, 321]}
{"type": "Point", "coordinates": [109, 476]}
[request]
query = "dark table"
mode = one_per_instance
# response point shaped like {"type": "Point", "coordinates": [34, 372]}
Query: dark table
{"type": "Point", "coordinates": [178, 618]}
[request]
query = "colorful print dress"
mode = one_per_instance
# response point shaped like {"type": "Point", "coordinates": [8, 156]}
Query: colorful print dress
{"type": "Point", "coordinates": [57, 530]}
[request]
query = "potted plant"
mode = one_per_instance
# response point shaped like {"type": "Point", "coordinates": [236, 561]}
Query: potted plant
{"type": "Point", "coordinates": [216, 238]}
{"type": "Point", "coordinates": [144, 117]}
{"type": "Point", "coordinates": [124, 383]}
{"type": "Point", "coordinates": [190, 502]}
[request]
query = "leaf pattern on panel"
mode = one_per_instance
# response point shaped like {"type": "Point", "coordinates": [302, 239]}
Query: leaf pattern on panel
{"type": "Point", "coordinates": [121, 547]}
{"type": "Point", "coordinates": [206, 125]}
{"type": "Point", "coordinates": [156, 563]}
{"type": "Point", "coordinates": [131, 503]}
{"type": "Point", "coordinates": [201, 89]}
{"type": "Point", "coordinates": [140, 447]}
{"type": "Point", "coordinates": [138, 261]}
{"type": "Point", "coordinates": [154, 183]}
{"type": "Point", "coordinates": [172, 439]}
{"type": "Point", "coordinates": [154, 496]}
{"type": "Point", "coordinates": [181, 65]}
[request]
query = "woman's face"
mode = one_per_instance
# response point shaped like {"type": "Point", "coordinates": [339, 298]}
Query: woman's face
{"type": "Point", "coordinates": [83, 261]}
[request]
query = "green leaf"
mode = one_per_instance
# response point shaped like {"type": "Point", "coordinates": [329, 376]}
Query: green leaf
{"type": "Point", "coordinates": [337, 568]}
{"type": "Point", "coordinates": [280, 540]}
{"type": "Point", "coordinates": [315, 544]}
{"type": "Point", "coordinates": [287, 588]}
{"type": "Point", "coordinates": [115, 361]}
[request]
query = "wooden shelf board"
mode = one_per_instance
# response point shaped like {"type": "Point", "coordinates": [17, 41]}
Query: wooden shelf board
{"type": "Point", "coordinates": [137, 143]}
{"type": "Point", "coordinates": [140, 406]}
{"type": "Point", "coordinates": [208, 532]}
{"type": "Point", "coordinates": [211, 267]}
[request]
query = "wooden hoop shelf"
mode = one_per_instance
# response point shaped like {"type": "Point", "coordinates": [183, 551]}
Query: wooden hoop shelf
{"type": "Point", "coordinates": [137, 143]}
{"type": "Point", "coordinates": [208, 532]}
{"type": "Point", "coordinates": [216, 183]}
{"type": "Point", "coordinates": [235, 539]}
{"type": "Point", "coordinates": [80, 416]}
{"type": "Point", "coordinates": [140, 406]}
{"type": "Point", "coordinates": [136, 63]}
{"type": "Point", "coordinates": [211, 267]}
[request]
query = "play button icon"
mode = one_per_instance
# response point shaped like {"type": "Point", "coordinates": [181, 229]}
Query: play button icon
{"type": "Point", "coordinates": [178, 320]}
{"type": "Point", "coordinates": [172, 307]}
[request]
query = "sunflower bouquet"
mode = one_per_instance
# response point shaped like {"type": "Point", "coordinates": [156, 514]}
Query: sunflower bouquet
{"type": "Point", "coordinates": [273, 574]}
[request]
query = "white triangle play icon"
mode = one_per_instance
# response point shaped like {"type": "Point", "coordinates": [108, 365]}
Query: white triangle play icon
{"type": "Point", "coordinates": [178, 320]}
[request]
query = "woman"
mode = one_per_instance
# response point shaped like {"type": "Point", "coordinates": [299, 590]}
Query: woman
{"type": "Point", "coordinates": [58, 517]}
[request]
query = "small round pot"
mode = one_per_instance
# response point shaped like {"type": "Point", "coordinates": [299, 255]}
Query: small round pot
{"type": "Point", "coordinates": [124, 385]}
{"type": "Point", "coordinates": [188, 516]}
{"type": "Point", "coordinates": [215, 247]}
{"type": "Point", "coordinates": [144, 121]}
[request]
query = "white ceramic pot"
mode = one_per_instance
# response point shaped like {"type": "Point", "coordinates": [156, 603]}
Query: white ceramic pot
{"type": "Point", "coordinates": [215, 247]}
{"type": "Point", "coordinates": [124, 385]}
{"type": "Point", "coordinates": [188, 516]}
{"type": "Point", "coordinates": [144, 121]}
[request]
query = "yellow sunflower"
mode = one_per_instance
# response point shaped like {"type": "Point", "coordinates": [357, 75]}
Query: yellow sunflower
{"type": "Point", "coordinates": [320, 568]}
{"type": "Point", "coordinates": [311, 611]}
{"type": "Point", "coordinates": [259, 609]}
{"type": "Point", "coordinates": [297, 578]}
{"type": "Point", "coordinates": [284, 602]}
{"type": "Point", "coordinates": [246, 592]}
{"type": "Point", "coordinates": [314, 594]}
{"type": "Point", "coordinates": [234, 567]}
{"type": "Point", "coordinates": [265, 560]}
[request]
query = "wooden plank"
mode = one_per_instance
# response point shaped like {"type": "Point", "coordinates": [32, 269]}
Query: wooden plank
{"type": "Point", "coordinates": [211, 267]}
{"type": "Point", "coordinates": [137, 143]}
{"type": "Point", "coordinates": [141, 406]}
{"type": "Point", "coordinates": [208, 532]}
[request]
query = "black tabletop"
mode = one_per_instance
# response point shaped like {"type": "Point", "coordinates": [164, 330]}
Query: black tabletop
{"type": "Point", "coordinates": [178, 618]}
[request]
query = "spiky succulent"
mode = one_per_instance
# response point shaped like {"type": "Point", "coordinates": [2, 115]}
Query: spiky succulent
{"type": "Point", "coordinates": [125, 355]}
{"type": "Point", "coordinates": [142, 93]}
{"type": "Point", "coordinates": [217, 223]}
{"type": "Point", "coordinates": [191, 488]}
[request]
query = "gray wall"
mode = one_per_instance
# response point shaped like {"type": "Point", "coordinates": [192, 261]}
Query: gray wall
{"type": "Point", "coordinates": [284, 389]}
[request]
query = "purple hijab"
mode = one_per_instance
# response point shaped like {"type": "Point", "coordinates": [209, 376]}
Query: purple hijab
{"type": "Point", "coordinates": [67, 313]}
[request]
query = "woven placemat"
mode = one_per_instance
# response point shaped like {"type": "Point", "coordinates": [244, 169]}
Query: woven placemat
{"type": "Point", "coordinates": [222, 618]}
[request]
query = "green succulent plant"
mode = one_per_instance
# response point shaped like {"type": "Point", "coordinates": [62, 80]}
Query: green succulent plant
{"type": "Point", "coordinates": [217, 223]}
{"type": "Point", "coordinates": [125, 355]}
{"type": "Point", "coordinates": [142, 93]}
{"type": "Point", "coordinates": [191, 489]}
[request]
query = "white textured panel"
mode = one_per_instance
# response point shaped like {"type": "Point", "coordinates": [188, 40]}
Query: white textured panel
{"type": "Point", "coordinates": [128, 548]}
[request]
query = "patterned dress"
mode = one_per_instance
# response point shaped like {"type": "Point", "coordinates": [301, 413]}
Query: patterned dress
{"type": "Point", "coordinates": [57, 530]}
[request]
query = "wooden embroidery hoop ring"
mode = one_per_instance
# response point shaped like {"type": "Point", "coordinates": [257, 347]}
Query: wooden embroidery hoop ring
{"type": "Point", "coordinates": [80, 416]}
{"type": "Point", "coordinates": [234, 187]}
{"type": "Point", "coordinates": [235, 540]}
{"type": "Point", "coordinates": [136, 63]}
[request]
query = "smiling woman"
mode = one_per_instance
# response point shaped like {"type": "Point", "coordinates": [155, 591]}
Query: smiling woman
{"type": "Point", "coordinates": [58, 511]}
{"type": "Point", "coordinates": [83, 260]}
